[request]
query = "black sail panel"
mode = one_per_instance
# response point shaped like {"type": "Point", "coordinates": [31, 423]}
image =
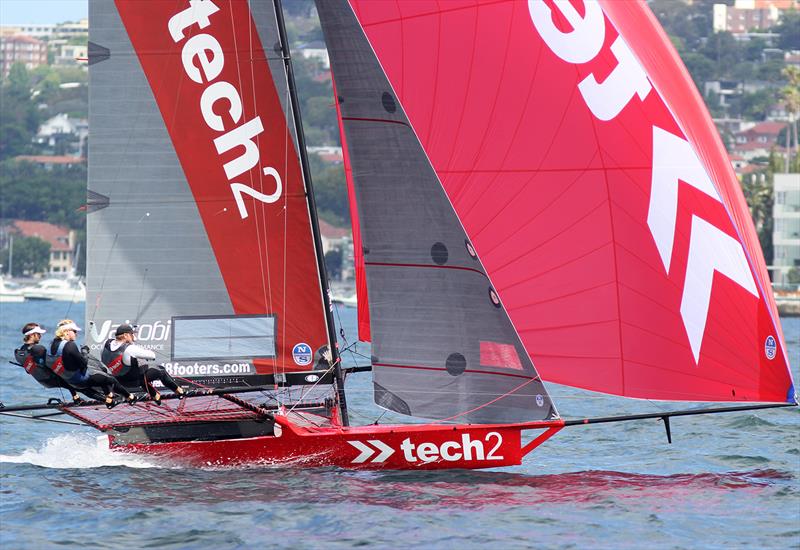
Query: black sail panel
{"type": "Point", "coordinates": [443, 345]}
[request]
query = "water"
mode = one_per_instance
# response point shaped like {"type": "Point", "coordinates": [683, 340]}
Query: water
{"type": "Point", "coordinates": [727, 481]}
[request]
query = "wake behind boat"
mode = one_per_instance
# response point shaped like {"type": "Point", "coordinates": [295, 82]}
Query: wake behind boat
{"type": "Point", "coordinates": [567, 215]}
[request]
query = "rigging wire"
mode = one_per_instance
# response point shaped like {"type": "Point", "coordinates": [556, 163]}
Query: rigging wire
{"type": "Point", "coordinates": [103, 279]}
{"type": "Point", "coordinates": [351, 348]}
{"type": "Point", "coordinates": [41, 419]}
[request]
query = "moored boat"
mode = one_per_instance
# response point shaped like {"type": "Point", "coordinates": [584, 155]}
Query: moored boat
{"type": "Point", "coordinates": [8, 293]}
{"type": "Point", "coordinates": [65, 290]}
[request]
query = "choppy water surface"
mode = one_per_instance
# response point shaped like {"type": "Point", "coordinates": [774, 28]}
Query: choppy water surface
{"type": "Point", "coordinates": [727, 481]}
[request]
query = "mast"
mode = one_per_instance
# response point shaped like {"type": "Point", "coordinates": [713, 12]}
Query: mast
{"type": "Point", "coordinates": [312, 207]}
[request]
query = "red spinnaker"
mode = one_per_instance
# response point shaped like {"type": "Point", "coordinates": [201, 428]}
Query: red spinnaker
{"type": "Point", "coordinates": [588, 174]}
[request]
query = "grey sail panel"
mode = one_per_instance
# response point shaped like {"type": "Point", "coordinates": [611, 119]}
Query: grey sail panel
{"type": "Point", "coordinates": [443, 345]}
{"type": "Point", "coordinates": [263, 14]}
{"type": "Point", "coordinates": [135, 272]}
{"type": "Point", "coordinates": [179, 242]}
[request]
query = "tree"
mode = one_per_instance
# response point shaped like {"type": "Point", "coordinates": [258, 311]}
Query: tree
{"type": "Point", "coordinates": [333, 263]}
{"type": "Point", "coordinates": [700, 67]}
{"type": "Point", "coordinates": [31, 256]}
{"type": "Point", "coordinates": [19, 118]}
{"type": "Point", "coordinates": [789, 30]}
{"type": "Point", "coordinates": [723, 49]}
{"type": "Point", "coordinates": [757, 188]}
{"type": "Point", "coordinates": [790, 95]}
{"type": "Point", "coordinates": [31, 192]}
{"type": "Point", "coordinates": [330, 192]}
{"type": "Point", "coordinates": [754, 106]}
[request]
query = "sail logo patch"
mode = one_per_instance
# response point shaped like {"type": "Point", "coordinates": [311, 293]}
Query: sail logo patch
{"type": "Point", "coordinates": [302, 354]}
{"type": "Point", "coordinates": [449, 451]}
{"type": "Point", "coordinates": [770, 347]}
{"type": "Point", "coordinates": [366, 451]}
{"type": "Point", "coordinates": [540, 400]}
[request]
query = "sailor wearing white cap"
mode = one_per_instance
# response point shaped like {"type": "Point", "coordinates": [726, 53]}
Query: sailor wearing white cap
{"type": "Point", "coordinates": [127, 362]}
{"type": "Point", "coordinates": [72, 366]}
{"type": "Point", "coordinates": [33, 358]}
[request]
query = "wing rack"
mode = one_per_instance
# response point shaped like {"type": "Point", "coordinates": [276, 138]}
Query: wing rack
{"type": "Point", "coordinates": [210, 408]}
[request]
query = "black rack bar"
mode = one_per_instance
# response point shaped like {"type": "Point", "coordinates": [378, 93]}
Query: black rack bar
{"type": "Point", "coordinates": [669, 414]}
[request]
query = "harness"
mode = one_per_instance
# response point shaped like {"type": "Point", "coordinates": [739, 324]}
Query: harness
{"type": "Point", "coordinates": [113, 358]}
{"type": "Point", "coordinates": [58, 364]}
{"type": "Point", "coordinates": [37, 365]}
{"type": "Point", "coordinates": [29, 364]}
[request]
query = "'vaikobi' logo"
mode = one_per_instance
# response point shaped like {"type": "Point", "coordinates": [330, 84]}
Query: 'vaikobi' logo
{"type": "Point", "coordinates": [301, 353]}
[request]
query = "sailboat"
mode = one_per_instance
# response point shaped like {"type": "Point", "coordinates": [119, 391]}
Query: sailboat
{"type": "Point", "coordinates": [538, 195]}
{"type": "Point", "coordinates": [9, 293]}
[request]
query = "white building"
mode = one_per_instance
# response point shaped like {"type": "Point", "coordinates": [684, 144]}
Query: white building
{"type": "Point", "coordinates": [786, 228]}
{"type": "Point", "coordinates": [47, 31]}
{"type": "Point", "coordinates": [72, 54]}
{"type": "Point", "coordinates": [61, 127]}
{"type": "Point", "coordinates": [18, 48]}
{"type": "Point", "coordinates": [316, 50]}
{"type": "Point", "coordinates": [746, 15]}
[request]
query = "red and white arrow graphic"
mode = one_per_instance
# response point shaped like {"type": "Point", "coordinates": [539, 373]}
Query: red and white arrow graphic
{"type": "Point", "coordinates": [366, 451]}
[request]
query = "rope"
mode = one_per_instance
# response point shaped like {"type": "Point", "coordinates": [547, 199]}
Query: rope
{"type": "Point", "coordinates": [307, 390]}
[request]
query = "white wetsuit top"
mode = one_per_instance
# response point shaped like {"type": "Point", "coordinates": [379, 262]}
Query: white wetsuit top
{"type": "Point", "coordinates": [132, 351]}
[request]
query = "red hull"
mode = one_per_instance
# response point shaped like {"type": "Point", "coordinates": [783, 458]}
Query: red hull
{"type": "Point", "coordinates": [398, 447]}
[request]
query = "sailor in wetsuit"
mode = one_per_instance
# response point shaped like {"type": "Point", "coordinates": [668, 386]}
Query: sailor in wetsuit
{"type": "Point", "coordinates": [72, 366]}
{"type": "Point", "coordinates": [125, 360]}
{"type": "Point", "coordinates": [33, 358]}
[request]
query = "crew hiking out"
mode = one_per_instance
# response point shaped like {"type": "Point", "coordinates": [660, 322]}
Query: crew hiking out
{"type": "Point", "coordinates": [33, 358]}
{"type": "Point", "coordinates": [125, 360]}
{"type": "Point", "coordinates": [73, 366]}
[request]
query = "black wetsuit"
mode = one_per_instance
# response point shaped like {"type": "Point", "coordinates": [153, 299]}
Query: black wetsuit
{"type": "Point", "coordinates": [77, 373]}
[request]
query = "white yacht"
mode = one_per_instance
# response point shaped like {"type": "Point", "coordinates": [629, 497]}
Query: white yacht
{"type": "Point", "coordinates": [10, 294]}
{"type": "Point", "coordinates": [65, 290]}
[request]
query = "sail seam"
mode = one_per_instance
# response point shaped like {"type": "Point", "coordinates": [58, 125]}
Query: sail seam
{"type": "Point", "coordinates": [429, 14]}
{"type": "Point", "coordinates": [479, 148]}
{"type": "Point", "coordinates": [544, 157]}
{"type": "Point", "coordinates": [542, 170]}
{"type": "Point", "coordinates": [726, 199]}
{"type": "Point", "coordinates": [600, 157]}
{"type": "Point", "coordinates": [555, 235]}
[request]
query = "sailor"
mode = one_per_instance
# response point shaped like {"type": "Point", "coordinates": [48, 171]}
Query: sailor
{"type": "Point", "coordinates": [73, 366]}
{"type": "Point", "coordinates": [33, 358]}
{"type": "Point", "coordinates": [125, 360]}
